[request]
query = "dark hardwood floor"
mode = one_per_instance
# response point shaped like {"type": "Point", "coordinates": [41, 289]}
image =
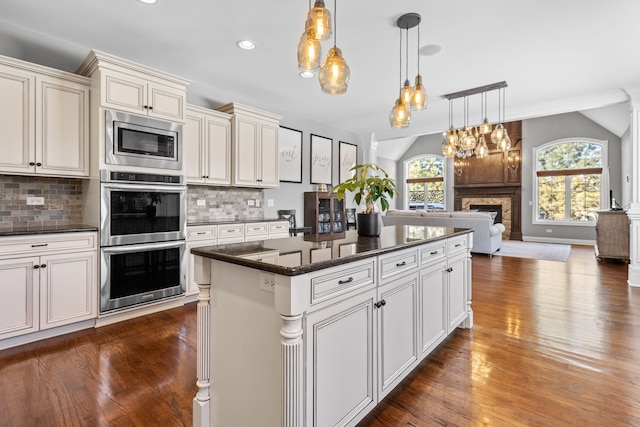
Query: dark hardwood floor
{"type": "Point", "coordinates": [554, 344]}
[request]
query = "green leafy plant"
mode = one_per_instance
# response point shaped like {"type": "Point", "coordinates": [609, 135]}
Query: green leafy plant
{"type": "Point", "coordinates": [369, 184]}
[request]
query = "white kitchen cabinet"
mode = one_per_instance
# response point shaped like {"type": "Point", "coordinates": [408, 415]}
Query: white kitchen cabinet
{"type": "Point", "coordinates": [198, 236]}
{"type": "Point", "coordinates": [45, 120]}
{"type": "Point", "coordinates": [341, 351]}
{"type": "Point", "coordinates": [398, 321]}
{"type": "Point", "coordinates": [433, 306]}
{"type": "Point", "coordinates": [207, 147]}
{"type": "Point", "coordinates": [457, 291]}
{"type": "Point", "coordinates": [19, 296]}
{"type": "Point", "coordinates": [279, 229]}
{"type": "Point", "coordinates": [135, 93]}
{"type": "Point", "coordinates": [256, 231]}
{"type": "Point", "coordinates": [47, 281]}
{"type": "Point", "coordinates": [255, 156]}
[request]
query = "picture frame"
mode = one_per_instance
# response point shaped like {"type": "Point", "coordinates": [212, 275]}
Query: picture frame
{"type": "Point", "coordinates": [348, 155]}
{"type": "Point", "coordinates": [290, 154]}
{"type": "Point", "coordinates": [321, 159]}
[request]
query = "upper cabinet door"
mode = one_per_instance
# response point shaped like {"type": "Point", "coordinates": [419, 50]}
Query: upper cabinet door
{"type": "Point", "coordinates": [62, 131]}
{"type": "Point", "coordinates": [124, 92]}
{"type": "Point", "coordinates": [246, 151]}
{"type": "Point", "coordinates": [193, 148]}
{"type": "Point", "coordinates": [17, 121]}
{"type": "Point", "coordinates": [269, 155]}
{"type": "Point", "coordinates": [218, 153]}
{"type": "Point", "coordinates": [164, 102]}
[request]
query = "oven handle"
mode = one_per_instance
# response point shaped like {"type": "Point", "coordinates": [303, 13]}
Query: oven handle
{"type": "Point", "coordinates": [144, 247]}
{"type": "Point", "coordinates": [150, 187]}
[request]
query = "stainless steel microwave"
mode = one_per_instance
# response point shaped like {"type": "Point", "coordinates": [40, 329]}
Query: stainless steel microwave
{"type": "Point", "coordinates": [134, 140]}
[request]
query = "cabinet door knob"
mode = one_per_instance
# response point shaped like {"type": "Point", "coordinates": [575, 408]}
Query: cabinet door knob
{"type": "Point", "coordinates": [43, 265]}
{"type": "Point", "coordinates": [36, 266]}
{"type": "Point", "coordinates": [150, 107]}
{"type": "Point", "coordinates": [377, 305]}
{"type": "Point", "coordinates": [450, 269]}
{"type": "Point", "coordinates": [383, 302]}
{"type": "Point", "coordinates": [38, 164]}
{"type": "Point", "coordinates": [32, 163]}
{"type": "Point", "coordinates": [342, 282]}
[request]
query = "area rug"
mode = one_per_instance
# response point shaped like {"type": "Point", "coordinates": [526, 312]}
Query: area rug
{"type": "Point", "coordinates": [534, 250]}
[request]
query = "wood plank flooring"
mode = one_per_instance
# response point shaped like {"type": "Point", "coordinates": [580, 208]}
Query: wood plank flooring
{"type": "Point", "coordinates": [554, 344]}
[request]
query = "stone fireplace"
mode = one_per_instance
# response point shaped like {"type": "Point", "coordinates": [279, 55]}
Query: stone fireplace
{"type": "Point", "coordinates": [507, 197]}
{"type": "Point", "coordinates": [505, 210]}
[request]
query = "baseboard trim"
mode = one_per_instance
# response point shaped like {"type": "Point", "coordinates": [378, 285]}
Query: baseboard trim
{"type": "Point", "coordinates": [558, 240]}
{"type": "Point", "coordinates": [46, 333]}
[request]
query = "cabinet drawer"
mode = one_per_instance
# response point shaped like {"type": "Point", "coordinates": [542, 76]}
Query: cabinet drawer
{"type": "Point", "coordinates": [202, 232]}
{"type": "Point", "coordinates": [255, 228]}
{"type": "Point", "coordinates": [457, 245]}
{"type": "Point", "coordinates": [279, 227]}
{"type": "Point", "coordinates": [342, 280]}
{"type": "Point", "coordinates": [397, 263]}
{"type": "Point", "coordinates": [432, 252]}
{"type": "Point", "coordinates": [227, 231]}
{"type": "Point", "coordinates": [33, 245]}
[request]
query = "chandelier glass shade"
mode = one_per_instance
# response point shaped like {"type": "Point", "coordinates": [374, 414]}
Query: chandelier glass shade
{"type": "Point", "coordinates": [418, 95]}
{"type": "Point", "coordinates": [309, 53]}
{"type": "Point", "coordinates": [400, 116]}
{"type": "Point", "coordinates": [334, 73]}
{"type": "Point", "coordinates": [471, 140]}
{"type": "Point", "coordinates": [318, 25]}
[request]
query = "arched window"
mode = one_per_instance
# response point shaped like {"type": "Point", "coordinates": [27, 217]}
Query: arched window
{"type": "Point", "coordinates": [571, 181]}
{"type": "Point", "coordinates": [425, 182]}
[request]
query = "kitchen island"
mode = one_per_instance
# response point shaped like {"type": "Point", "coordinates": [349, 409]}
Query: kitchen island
{"type": "Point", "coordinates": [302, 332]}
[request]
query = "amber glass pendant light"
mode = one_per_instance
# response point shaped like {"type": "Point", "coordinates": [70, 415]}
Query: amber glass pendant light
{"type": "Point", "coordinates": [309, 53]}
{"type": "Point", "coordinates": [400, 116]}
{"type": "Point", "coordinates": [334, 73]}
{"type": "Point", "coordinates": [318, 26]}
{"type": "Point", "coordinates": [419, 93]}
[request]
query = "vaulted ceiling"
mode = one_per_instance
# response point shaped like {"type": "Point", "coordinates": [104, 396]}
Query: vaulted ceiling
{"type": "Point", "coordinates": [556, 56]}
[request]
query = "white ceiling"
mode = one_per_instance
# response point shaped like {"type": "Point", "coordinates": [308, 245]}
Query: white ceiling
{"type": "Point", "coordinates": [556, 56]}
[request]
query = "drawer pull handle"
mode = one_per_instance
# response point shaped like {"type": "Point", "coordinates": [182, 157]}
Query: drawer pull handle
{"type": "Point", "coordinates": [458, 245]}
{"type": "Point", "coordinates": [201, 232]}
{"type": "Point", "coordinates": [433, 252]}
{"type": "Point", "coordinates": [342, 282]}
{"type": "Point", "coordinates": [401, 264]}
{"type": "Point", "coordinates": [40, 245]}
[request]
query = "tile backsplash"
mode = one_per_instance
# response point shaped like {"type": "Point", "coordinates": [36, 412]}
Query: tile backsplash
{"type": "Point", "coordinates": [223, 203]}
{"type": "Point", "coordinates": [62, 201]}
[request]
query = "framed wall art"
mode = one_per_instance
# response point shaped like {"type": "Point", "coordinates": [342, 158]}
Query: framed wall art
{"type": "Point", "coordinates": [290, 152]}
{"type": "Point", "coordinates": [321, 159]}
{"type": "Point", "coordinates": [348, 159]}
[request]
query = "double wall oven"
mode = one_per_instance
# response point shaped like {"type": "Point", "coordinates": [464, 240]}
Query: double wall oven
{"type": "Point", "coordinates": [143, 251]}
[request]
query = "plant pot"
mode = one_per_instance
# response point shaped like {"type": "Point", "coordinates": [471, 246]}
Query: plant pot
{"type": "Point", "coordinates": [369, 225]}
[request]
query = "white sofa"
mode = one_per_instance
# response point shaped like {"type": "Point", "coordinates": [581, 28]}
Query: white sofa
{"type": "Point", "coordinates": [487, 236]}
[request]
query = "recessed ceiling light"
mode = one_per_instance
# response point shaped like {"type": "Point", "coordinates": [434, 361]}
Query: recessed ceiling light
{"type": "Point", "coordinates": [306, 74]}
{"type": "Point", "coordinates": [430, 49]}
{"type": "Point", "coordinates": [148, 1]}
{"type": "Point", "coordinates": [246, 44]}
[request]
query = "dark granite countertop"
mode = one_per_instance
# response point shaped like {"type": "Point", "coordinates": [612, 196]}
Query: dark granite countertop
{"type": "Point", "coordinates": [47, 229]}
{"type": "Point", "coordinates": [233, 221]}
{"type": "Point", "coordinates": [304, 254]}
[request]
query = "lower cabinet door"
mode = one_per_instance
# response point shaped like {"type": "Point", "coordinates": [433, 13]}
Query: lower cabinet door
{"type": "Point", "coordinates": [67, 288]}
{"type": "Point", "coordinates": [341, 348]}
{"type": "Point", "coordinates": [18, 296]}
{"type": "Point", "coordinates": [457, 292]}
{"type": "Point", "coordinates": [433, 307]}
{"type": "Point", "coordinates": [397, 308]}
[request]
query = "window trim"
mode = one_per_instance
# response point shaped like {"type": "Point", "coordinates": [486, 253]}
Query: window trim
{"type": "Point", "coordinates": [604, 180]}
{"type": "Point", "coordinates": [408, 180]}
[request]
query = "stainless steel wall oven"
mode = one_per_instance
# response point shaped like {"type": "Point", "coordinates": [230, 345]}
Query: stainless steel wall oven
{"type": "Point", "coordinates": [143, 251]}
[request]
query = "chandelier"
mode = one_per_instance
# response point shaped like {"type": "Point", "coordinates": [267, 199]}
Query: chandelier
{"type": "Point", "coordinates": [411, 97]}
{"type": "Point", "coordinates": [468, 140]}
{"type": "Point", "coordinates": [334, 73]}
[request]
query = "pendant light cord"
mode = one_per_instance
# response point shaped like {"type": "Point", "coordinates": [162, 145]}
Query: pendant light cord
{"type": "Point", "coordinates": [418, 54]}
{"type": "Point", "coordinates": [400, 50]}
{"type": "Point", "coordinates": [335, 23]}
{"type": "Point", "coordinates": [407, 56]}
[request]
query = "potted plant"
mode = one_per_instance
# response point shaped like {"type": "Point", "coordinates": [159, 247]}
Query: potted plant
{"type": "Point", "coordinates": [369, 184]}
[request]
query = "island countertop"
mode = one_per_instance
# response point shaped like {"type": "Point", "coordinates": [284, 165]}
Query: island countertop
{"type": "Point", "coordinates": [305, 254]}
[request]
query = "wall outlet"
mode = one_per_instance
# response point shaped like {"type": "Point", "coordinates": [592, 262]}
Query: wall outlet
{"type": "Point", "coordinates": [549, 230]}
{"type": "Point", "coordinates": [258, 202]}
{"type": "Point", "coordinates": [270, 203]}
{"type": "Point", "coordinates": [202, 202]}
{"type": "Point", "coordinates": [251, 202]}
{"type": "Point", "coordinates": [268, 282]}
{"type": "Point", "coordinates": [35, 201]}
